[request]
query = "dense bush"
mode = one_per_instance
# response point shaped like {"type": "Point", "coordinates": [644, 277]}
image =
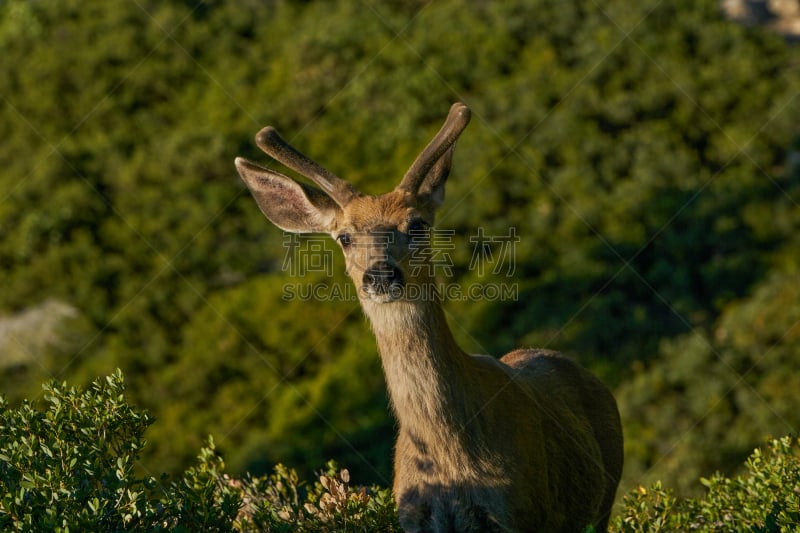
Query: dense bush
{"type": "Point", "coordinates": [72, 464]}
{"type": "Point", "coordinates": [766, 498]}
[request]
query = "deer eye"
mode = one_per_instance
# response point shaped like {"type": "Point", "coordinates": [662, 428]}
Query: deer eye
{"type": "Point", "coordinates": [345, 240]}
{"type": "Point", "coordinates": [417, 226]}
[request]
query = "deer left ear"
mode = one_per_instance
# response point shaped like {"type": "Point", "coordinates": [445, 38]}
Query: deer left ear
{"type": "Point", "coordinates": [431, 190]}
{"type": "Point", "coordinates": [290, 205]}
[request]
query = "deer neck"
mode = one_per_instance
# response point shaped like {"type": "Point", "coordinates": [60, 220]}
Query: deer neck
{"type": "Point", "coordinates": [424, 367]}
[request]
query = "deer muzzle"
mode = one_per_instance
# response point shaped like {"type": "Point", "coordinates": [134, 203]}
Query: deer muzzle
{"type": "Point", "coordinates": [383, 282]}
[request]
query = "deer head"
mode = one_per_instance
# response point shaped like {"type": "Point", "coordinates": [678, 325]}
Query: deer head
{"type": "Point", "coordinates": [379, 235]}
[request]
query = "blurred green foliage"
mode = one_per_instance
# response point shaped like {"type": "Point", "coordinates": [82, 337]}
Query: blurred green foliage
{"type": "Point", "coordinates": [645, 153]}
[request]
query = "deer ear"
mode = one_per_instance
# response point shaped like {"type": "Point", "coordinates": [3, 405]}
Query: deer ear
{"type": "Point", "coordinates": [431, 190]}
{"type": "Point", "coordinates": [291, 206]}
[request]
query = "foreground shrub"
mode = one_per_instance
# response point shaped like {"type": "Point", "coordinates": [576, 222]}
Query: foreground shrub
{"type": "Point", "coordinates": [276, 503]}
{"type": "Point", "coordinates": [71, 464]}
{"type": "Point", "coordinates": [766, 498]}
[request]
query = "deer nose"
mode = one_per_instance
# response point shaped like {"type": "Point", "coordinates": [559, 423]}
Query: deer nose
{"type": "Point", "coordinates": [382, 277]}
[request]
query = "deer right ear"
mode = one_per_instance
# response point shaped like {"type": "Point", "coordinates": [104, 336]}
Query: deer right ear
{"type": "Point", "coordinates": [291, 206]}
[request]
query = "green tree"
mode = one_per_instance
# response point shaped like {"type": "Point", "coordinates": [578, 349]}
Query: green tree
{"type": "Point", "coordinates": [709, 399]}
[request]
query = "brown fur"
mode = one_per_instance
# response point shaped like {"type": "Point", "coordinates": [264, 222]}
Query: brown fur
{"type": "Point", "coordinates": [531, 442]}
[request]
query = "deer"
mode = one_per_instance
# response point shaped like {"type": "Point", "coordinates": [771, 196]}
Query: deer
{"type": "Point", "coordinates": [528, 442]}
